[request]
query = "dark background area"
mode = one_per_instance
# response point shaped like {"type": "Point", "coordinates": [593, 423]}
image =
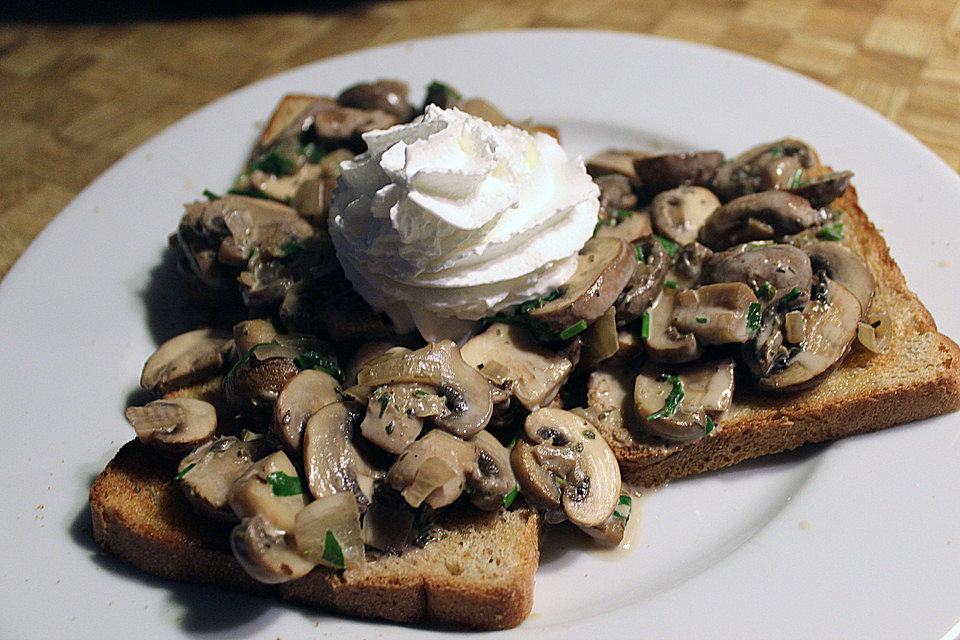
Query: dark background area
{"type": "Point", "coordinates": [67, 12]}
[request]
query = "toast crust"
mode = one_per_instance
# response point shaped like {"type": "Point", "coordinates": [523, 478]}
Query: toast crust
{"type": "Point", "coordinates": [478, 571]}
{"type": "Point", "coordinates": [916, 377]}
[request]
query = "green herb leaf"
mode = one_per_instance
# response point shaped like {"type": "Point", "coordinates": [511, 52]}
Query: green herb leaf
{"type": "Point", "coordinates": [321, 361]}
{"type": "Point", "coordinates": [332, 553]}
{"type": "Point", "coordinates": [701, 320]}
{"type": "Point", "coordinates": [284, 485]}
{"type": "Point", "coordinates": [210, 195]}
{"type": "Point", "coordinates": [669, 245]}
{"type": "Point", "coordinates": [569, 332]}
{"type": "Point", "coordinates": [252, 193]}
{"type": "Point", "coordinates": [291, 248]}
{"type": "Point", "coordinates": [710, 426]}
{"type": "Point", "coordinates": [797, 179]}
{"type": "Point", "coordinates": [180, 475]}
{"type": "Point", "coordinates": [510, 497]}
{"type": "Point", "coordinates": [831, 232]}
{"type": "Point", "coordinates": [787, 299]}
{"type": "Point", "coordinates": [673, 400]}
{"type": "Point", "coordinates": [536, 303]}
{"type": "Point", "coordinates": [246, 356]}
{"type": "Point", "coordinates": [420, 392]}
{"type": "Point", "coordinates": [274, 164]}
{"type": "Point", "coordinates": [645, 325]}
{"type": "Point", "coordinates": [753, 316]}
{"type": "Point", "coordinates": [670, 284]}
{"type": "Point", "coordinates": [441, 94]}
{"type": "Point", "coordinates": [623, 508]}
{"type": "Point", "coordinates": [764, 290]}
{"type": "Point", "coordinates": [313, 152]}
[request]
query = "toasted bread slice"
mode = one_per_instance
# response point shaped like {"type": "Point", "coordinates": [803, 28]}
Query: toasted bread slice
{"type": "Point", "coordinates": [477, 571]}
{"type": "Point", "coordinates": [916, 377]}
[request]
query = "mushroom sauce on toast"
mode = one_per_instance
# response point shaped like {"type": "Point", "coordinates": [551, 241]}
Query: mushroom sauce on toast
{"type": "Point", "coordinates": [315, 438]}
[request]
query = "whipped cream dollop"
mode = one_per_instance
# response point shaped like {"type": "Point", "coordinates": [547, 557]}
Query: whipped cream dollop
{"type": "Point", "coordinates": [448, 219]}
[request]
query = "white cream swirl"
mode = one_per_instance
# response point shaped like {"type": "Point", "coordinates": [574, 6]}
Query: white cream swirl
{"type": "Point", "coordinates": [448, 219]}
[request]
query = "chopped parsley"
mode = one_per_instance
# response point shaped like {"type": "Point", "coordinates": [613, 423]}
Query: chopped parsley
{"type": "Point", "coordinates": [753, 316]}
{"type": "Point", "coordinates": [441, 94]}
{"type": "Point", "coordinates": [420, 392]}
{"type": "Point", "coordinates": [669, 245]}
{"type": "Point", "coordinates": [274, 164]}
{"type": "Point", "coordinates": [180, 475]}
{"type": "Point", "coordinates": [332, 553]}
{"type": "Point", "coordinates": [313, 152]}
{"type": "Point", "coordinates": [284, 485]}
{"type": "Point", "coordinates": [673, 400]}
{"type": "Point", "coordinates": [790, 297]}
{"type": "Point", "coordinates": [765, 290]}
{"type": "Point", "coordinates": [623, 508]}
{"type": "Point", "coordinates": [701, 320]}
{"type": "Point", "coordinates": [510, 497]}
{"type": "Point", "coordinates": [710, 426]}
{"type": "Point", "coordinates": [210, 195]}
{"type": "Point", "coordinates": [831, 232]}
{"type": "Point", "coordinates": [321, 361]}
{"type": "Point", "coordinates": [291, 248]}
{"type": "Point", "coordinates": [252, 193]}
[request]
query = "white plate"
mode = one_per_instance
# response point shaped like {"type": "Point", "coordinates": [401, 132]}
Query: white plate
{"type": "Point", "coordinates": [858, 538]}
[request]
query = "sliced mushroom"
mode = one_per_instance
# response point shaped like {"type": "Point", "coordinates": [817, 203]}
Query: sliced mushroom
{"type": "Point", "coordinates": [384, 94]}
{"type": "Point", "coordinates": [331, 462]}
{"type": "Point", "coordinates": [260, 225]}
{"type": "Point", "coordinates": [845, 267]}
{"type": "Point", "coordinates": [604, 266]}
{"type": "Point", "coordinates": [772, 165]}
{"type": "Point", "coordinates": [263, 550]}
{"type": "Point", "coordinates": [679, 213]}
{"type": "Point", "coordinates": [537, 483]}
{"type": "Point", "coordinates": [582, 464]}
{"type": "Point", "coordinates": [645, 283]}
{"type": "Point", "coordinates": [610, 532]}
{"type": "Point", "coordinates": [326, 121]}
{"type": "Point", "coordinates": [664, 342]}
{"type": "Point", "coordinates": [626, 225]}
{"type": "Point", "coordinates": [616, 195]}
{"type": "Point", "coordinates": [467, 393]}
{"type": "Point", "coordinates": [668, 171]}
{"type": "Point", "coordinates": [250, 333]}
{"type": "Point", "coordinates": [395, 414]}
{"type": "Point", "coordinates": [185, 360]}
{"type": "Point", "coordinates": [689, 262]}
{"type": "Point", "coordinates": [286, 188]}
{"type": "Point", "coordinates": [772, 270]}
{"type": "Point", "coordinates": [821, 191]}
{"type": "Point", "coordinates": [829, 327]}
{"type": "Point", "coordinates": [492, 479]}
{"type": "Point", "coordinates": [433, 470]}
{"type": "Point", "coordinates": [207, 473]}
{"type": "Point", "coordinates": [615, 161]}
{"type": "Point", "coordinates": [510, 357]}
{"type": "Point", "coordinates": [269, 488]}
{"type": "Point", "coordinates": [768, 215]}
{"type": "Point", "coordinates": [600, 341]}
{"type": "Point", "coordinates": [717, 313]}
{"type": "Point", "coordinates": [306, 393]}
{"type": "Point", "coordinates": [327, 532]}
{"type": "Point", "coordinates": [681, 407]}
{"type": "Point", "coordinates": [174, 425]}
{"type": "Point", "coordinates": [364, 354]}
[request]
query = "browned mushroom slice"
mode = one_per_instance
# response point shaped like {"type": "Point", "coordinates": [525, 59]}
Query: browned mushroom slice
{"type": "Point", "coordinates": [331, 462]}
{"type": "Point", "coordinates": [681, 406]}
{"type": "Point", "coordinates": [679, 213]}
{"type": "Point", "coordinates": [185, 360]}
{"type": "Point", "coordinates": [250, 333]}
{"type": "Point", "coordinates": [645, 284]}
{"type": "Point", "coordinates": [305, 394]}
{"type": "Point", "coordinates": [384, 94]}
{"type": "Point", "coordinates": [823, 190]}
{"type": "Point", "coordinates": [264, 551]}
{"type": "Point", "coordinates": [627, 225]}
{"type": "Point", "coordinates": [824, 331]}
{"type": "Point", "coordinates": [668, 171]}
{"type": "Point", "coordinates": [395, 414]}
{"type": "Point", "coordinates": [768, 215]}
{"type": "Point", "coordinates": [772, 270]}
{"type": "Point", "coordinates": [615, 161]}
{"type": "Point", "coordinates": [484, 109]}
{"type": "Point", "coordinates": [328, 121]}
{"type": "Point", "coordinates": [665, 343]}
{"type": "Point", "coordinates": [845, 267]}
{"type": "Point", "coordinates": [207, 473]}
{"type": "Point", "coordinates": [467, 393]}
{"type": "Point", "coordinates": [270, 488]}
{"type": "Point", "coordinates": [616, 194]}
{"type": "Point", "coordinates": [174, 425]}
{"type": "Point", "coordinates": [510, 357]}
{"type": "Point", "coordinates": [604, 266]}
{"type": "Point", "coordinates": [433, 469]}
{"type": "Point", "coordinates": [578, 460]}
{"type": "Point", "coordinates": [774, 165]}
{"type": "Point", "coordinates": [257, 224]}
{"type": "Point", "coordinates": [718, 313]}
{"type": "Point", "coordinates": [688, 263]}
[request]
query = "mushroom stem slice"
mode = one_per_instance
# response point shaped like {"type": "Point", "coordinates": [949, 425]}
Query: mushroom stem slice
{"type": "Point", "coordinates": [174, 425]}
{"type": "Point", "coordinates": [664, 342]}
{"type": "Point", "coordinates": [468, 395]}
{"type": "Point", "coordinates": [185, 359]}
{"type": "Point", "coordinates": [718, 313]}
{"type": "Point", "coordinates": [262, 549]}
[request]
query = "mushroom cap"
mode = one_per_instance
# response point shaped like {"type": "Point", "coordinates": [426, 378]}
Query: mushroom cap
{"type": "Point", "coordinates": [646, 282]}
{"type": "Point", "coordinates": [592, 483]}
{"type": "Point", "coordinates": [716, 313]}
{"type": "Point", "coordinates": [615, 161]}
{"type": "Point", "coordinates": [389, 96]}
{"type": "Point", "coordinates": [706, 391]}
{"type": "Point", "coordinates": [262, 549]}
{"type": "Point", "coordinates": [668, 171]}
{"type": "Point", "coordinates": [781, 266]}
{"type": "Point", "coordinates": [767, 215]}
{"type": "Point", "coordinates": [395, 414]}
{"type": "Point", "coordinates": [513, 360]}
{"type": "Point", "coordinates": [304, 394]}
{"type": "Point", "coordinates": [174, 425]}
{"type": "Point", "coordinates": [331, 462]}
{"type": "Point", "coordinates": [468, 395]}
{"type": "Point", "coordinates": [771, 165]}
{"type": "Point", "coordinates": [207, 473]}
{"type": "Point", "coordinates": [823, 190]}
{"type": "Point", "coordinates": [185, 359]}
{"type": "Point", "coordinates": [604, 266]}
{"type": "Point", "coordinates": [492, 478]}
{"type": "Point", "coordinates": [679, 213]}
{"type": "Point", "coordinates": [844, 267]}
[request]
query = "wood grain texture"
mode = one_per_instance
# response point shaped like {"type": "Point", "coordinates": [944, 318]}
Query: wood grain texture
{"type": "Point", "coordinates": [74, 98]}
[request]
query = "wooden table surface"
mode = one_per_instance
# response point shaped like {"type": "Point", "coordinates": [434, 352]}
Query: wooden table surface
{"type": "Point", "coordinates": [75, 97]}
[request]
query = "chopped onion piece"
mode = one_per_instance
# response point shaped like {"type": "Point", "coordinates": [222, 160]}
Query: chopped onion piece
{"type": "Point", "coordinates": [794, 326]}
{"type": "Point", "coordinates": [874, 332]}
{"type": "Point", "coordinates": [327, 532]}
{"type": "Point", "coordinates": [433, 474]}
